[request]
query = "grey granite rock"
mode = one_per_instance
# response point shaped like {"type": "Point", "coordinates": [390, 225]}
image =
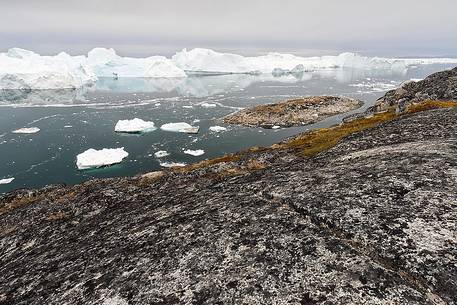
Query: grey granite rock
{"type": "Point", "coordinates": [371, 221]}
{"type": "Point", "coordinates": [438, 86]}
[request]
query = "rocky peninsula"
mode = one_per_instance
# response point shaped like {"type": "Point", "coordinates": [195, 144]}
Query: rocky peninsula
{"type": "Point", "coordinates": [295, 112]}
{"type": "Point", "coordinates": [360, 213]}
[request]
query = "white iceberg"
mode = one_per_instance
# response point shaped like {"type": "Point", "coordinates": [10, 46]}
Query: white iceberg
{"type": "Point", "coordinates": [172, 164]}
{"type": "Point", "coordinates": [106, 63]}
{"type": "Point", "coordinates": [22, 69]}
{"type": "Point", "coordinates": [205, 61]}
{"type": "Point", "coordinates": [180, 127]}
{"type": "Point", "coordinates": [134, 126]}
{"type": "Point", "coordinates": [6, 180]}
{"type": "Point", "coordinates": [161, 154]}
{"type": "Point", "coordinates": [27, 130]}
{"type": "Point", "coordinates": [195, 153]}
{"type": "Point", "coordinates": [217, 128]}
{"type": "Point", "coordinates": [92, 158]}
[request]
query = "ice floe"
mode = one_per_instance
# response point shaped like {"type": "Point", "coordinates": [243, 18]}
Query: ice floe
{"type": "Point", "coordinates": [217, 128]}
{"type": "Point", "coordinates": [172, 164]}
{"type": "Point", "coordinates": [180, 127]}
{"type": "Point", "coordinates": [161, 154]}
{"type": "Point", "coordinates": [27, 130]}
{"type": "Point", "coordinates": [6, 180]}
{"type": "Point", "coordinates": [195, 153]}
{"type": "Point", "coordinates": [92, 158]}
{"type": "Point", "coordinates": [134, 126]}
{"type": "Point", "coordinates": [208, 105]}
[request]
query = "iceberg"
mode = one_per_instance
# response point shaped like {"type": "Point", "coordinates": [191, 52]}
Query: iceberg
{"type": "Point", "coordinates": [217, 128]}
{"type": "Point", "coordinates": [106, 63]}
{"type": "Point", "coordinates": [92, 158]}
{"type": "Point", "coordinates": [6, 180]}
{"type": "Point", "coordinates": [134, 126]}
{"type": "Point", "coordinates": [180, 127]}
{"type": "Point", "coordinates": [195, 153]}
{"type": "Point", "coordinates": [161, 154]}
{"type": "Point", "coordinates": [205, 61]}
{"type": "Point", "coordinates": [22, 69]}
{"type": "Point", "coordinates": [28, 130]}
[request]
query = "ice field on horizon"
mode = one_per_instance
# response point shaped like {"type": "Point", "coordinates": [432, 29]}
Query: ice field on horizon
{"type": "Point", "coordinates": [23, 69]}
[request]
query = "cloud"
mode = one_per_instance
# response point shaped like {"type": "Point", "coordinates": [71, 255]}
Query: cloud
{"type": "Point", "coordinates": [306, 24]}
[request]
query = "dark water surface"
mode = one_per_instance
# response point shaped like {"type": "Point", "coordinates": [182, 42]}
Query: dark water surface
{"type": "Point", "coordinates": [72, 121]}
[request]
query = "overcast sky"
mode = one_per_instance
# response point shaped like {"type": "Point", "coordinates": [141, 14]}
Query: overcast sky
{"type": "Point", "coordinates": [146, 27]}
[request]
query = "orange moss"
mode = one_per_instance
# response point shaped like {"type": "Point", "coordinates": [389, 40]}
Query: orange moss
{"type": "Point", "coordinates": [312, 143]}
{"type": "Point", "coordinates": [57, 216]}
{"type": "Point", "coordinates": [429, 105]}
{"type": "Point", "coordinates": [17, 203]}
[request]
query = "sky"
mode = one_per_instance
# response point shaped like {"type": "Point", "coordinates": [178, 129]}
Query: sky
{"type": "Point", "coordinates": [303, 27]}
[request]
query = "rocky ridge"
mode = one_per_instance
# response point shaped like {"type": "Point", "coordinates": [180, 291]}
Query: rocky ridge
{"type": "Point", "coordinates": [438, 86]}
{"type": "Point", "coordinates": [362, 213]}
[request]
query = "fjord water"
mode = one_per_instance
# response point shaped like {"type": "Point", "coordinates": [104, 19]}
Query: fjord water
{"type": "Point", "coordinates": [72, 121]}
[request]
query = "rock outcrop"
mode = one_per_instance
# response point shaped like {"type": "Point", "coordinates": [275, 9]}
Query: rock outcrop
{"type": "Point", "coordinates": [370, 221]}
{"type": "Point", "coordinates": [438, 86]}
{"type": "Point", "coordinates": [296, 112]}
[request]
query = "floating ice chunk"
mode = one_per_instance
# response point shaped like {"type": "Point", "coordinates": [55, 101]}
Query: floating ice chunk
{"type": "Point", "coordinates": [161, 154]}
{"type": "Point", "coordinates": [279, 72]}
{"type": "Point", "coordinates": [6, 180]}
{"type": "Point", "coordinates": [179, 127]}
{"type": "Point", "coordinates": [134, 126]}
{"type": "Point", "coordinates": [92, 158]}
{"type": "Point", "coordinates": [27, 130]}
{"type": "Point", "coordinates": [217, 128]}
{"type": "Point", "coordinates": [208, 105]}
{"type": "Point", "coordinates": [195, 153]}
{"type": "Point", "coordinates": [172, 164]}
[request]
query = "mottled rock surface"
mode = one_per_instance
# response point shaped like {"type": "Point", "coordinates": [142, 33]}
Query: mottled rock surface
{"type": "Point", "coordinates": [438, 86]}
{"type": "Point", "coordinates": [296, 112]}
{"type": "Point", "coordinates": [370, 221]}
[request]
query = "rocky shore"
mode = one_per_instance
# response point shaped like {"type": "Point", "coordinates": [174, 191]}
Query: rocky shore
{"type": "Point", "coordinates": [296, 112]}
{"type": "Point", "coordinates": [361, 213]}
{"type": "Point", "coordinates": [438, 86]}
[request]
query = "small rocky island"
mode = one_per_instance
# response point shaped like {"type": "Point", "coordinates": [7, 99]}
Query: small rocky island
{"type": "Point", "coordinates": [360, 213]}
{"type": "Point", "coordinates": [295, 112]}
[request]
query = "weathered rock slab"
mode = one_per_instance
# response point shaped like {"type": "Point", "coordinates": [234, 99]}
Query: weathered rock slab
{"type": "Point", "coordinates": [370, 221]}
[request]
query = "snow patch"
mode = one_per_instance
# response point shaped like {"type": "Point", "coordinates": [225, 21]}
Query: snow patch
{"type": "Point", "coordinates": [92, 158]}
{"type": "Point", "coordinates": [172, 164]}
{"type": "Point", "coordinates": [134, 126]}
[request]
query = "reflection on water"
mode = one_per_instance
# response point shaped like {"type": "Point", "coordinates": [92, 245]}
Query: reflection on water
{"type": "Point", "coordinates": [193, 86]}
{"type": "Point", "coordinates": [72, 121]}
